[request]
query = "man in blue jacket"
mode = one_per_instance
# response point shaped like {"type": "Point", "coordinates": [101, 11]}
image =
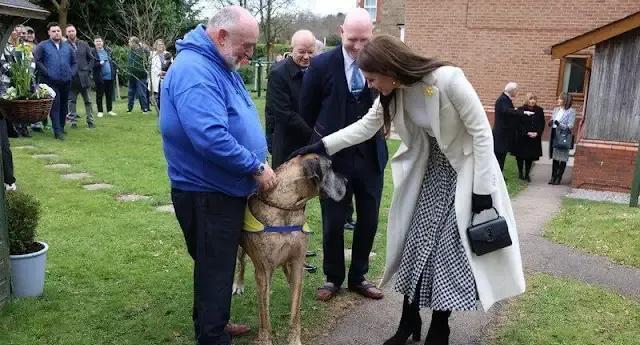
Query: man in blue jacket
{"type": "Point", "coordinates": [56, 63]}
{"type": "Point", "coordinates": [216, 152]}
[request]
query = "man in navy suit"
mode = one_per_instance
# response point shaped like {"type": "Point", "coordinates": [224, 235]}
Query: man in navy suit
{"type": "Point", "coordinates": [334, 95]}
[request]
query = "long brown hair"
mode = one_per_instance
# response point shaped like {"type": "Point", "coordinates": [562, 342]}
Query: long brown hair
{"type": "Point", "coordinates": [389, 56]}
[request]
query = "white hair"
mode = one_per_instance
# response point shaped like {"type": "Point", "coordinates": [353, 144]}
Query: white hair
{"type": "Point", "coordinates": [319, 47]}
{"type": "Point", "coordinates": [510, 87]}
{"type": "Point", "coordinates": [226, 18]}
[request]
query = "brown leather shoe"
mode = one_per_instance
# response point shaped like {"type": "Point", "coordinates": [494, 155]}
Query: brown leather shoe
{"type": "Point", "coordinates": [368, 290]}
{"type": "Point", "coordinates": [237, 330]}
{"type": "Point", "coordinates": [327, 291]}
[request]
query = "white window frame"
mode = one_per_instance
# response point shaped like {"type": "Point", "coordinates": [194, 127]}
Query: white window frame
{"type": "Point", "coordinates": [370, 7]}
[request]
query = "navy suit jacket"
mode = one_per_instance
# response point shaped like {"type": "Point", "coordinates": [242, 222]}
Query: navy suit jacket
{"type": "Point", "coordinates": [323, 105]}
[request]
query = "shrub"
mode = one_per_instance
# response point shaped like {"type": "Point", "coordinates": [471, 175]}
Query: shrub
{"type": "Point", "coordinates": [23, 214]}
{"type": "Point", "coordinates": [120, 55]}
{"type": "Point", "coordinates": [247, 73]}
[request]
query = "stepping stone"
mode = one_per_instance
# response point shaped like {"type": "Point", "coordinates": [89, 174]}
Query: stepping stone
{"type": "Point", "coordinates": [166, 209]}
{"type": "Point", "coordinates": [58, 166]}
{"type": "Point", "coordinates": [45, 156]}
{"type": "Point", "coordinates": [75, 176]}
{"type": "Point", "coordinates": [131, 197]}
{"type": "Point", "coordinates": [97, 186]}
{"type": "Point", "coordinates": [25, 147]}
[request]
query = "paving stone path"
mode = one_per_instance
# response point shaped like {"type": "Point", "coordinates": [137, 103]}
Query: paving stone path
{"type": "Point", "coordinates": [372, 322]}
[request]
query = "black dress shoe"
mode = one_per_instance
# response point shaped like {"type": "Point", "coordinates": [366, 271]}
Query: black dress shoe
{"type": "Point", "coordinates": [91, 125]}
{"type": "Point", "coordinates": [74, 126]}
{"type": "Point", "coordinates": [310, 253]}
{"type": "Point", "coordinates": [59, 136]}
{"type": "Point", "coordinates": [310, 268]}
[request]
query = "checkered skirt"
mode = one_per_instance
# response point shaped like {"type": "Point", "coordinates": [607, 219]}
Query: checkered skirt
{"type": "Point", "coordinates": [434, 268]}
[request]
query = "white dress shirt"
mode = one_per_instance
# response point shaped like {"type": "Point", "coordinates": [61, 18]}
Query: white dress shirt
{"type": "Point", "coordinates": [348, 67]}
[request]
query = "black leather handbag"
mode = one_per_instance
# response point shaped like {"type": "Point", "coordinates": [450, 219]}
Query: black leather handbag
{"type": "Point", "coordinates": [563, 139]}
{"type": "Point", "coordinates": [489, 236]}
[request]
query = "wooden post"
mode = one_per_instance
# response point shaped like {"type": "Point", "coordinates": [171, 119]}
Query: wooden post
{"type": "Point", "coordinates": [117, 86]}
{"type": "Point", "coordinates": [635, 185]}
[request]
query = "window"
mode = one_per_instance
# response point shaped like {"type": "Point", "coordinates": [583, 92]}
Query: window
{"type": "Point", "coordinates": [574, 75]}
{"type": "Point", "coordinates": [372, 7]}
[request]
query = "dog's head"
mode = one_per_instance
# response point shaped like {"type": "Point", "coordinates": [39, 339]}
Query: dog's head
{"type": "Point", "coordinates": [329, 184]}
{"type": "Point", "coordinates": [304, 177]}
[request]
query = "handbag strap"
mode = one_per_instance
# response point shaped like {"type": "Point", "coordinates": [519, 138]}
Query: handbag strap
{"type": "Point", "coordinates": [473, 217]}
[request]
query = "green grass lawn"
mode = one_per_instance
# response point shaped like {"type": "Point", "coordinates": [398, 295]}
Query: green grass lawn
{"type": "Point", "coordinates": [600, 228]}
{"type": "Point", "coordinates": [558, 311]}
{"type": "Point", "coordinates": [118, 273]}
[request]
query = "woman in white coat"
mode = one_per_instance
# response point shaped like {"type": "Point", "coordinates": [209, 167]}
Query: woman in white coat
{"type": "Point", "coordinates": [444, 170]}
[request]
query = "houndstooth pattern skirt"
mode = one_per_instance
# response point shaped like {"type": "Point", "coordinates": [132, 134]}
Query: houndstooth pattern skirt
{"type": "Point", "coordinates": [434, 268]}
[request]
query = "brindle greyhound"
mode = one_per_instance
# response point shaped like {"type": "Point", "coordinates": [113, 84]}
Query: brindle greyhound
{"type": "Point", "coordinates": [281, 210]}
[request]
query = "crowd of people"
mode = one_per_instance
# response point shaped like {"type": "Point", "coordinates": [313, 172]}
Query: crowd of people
{"type": "Point", "coordinates": [340, 104]}
{"type": "Point", "coordinates": [519, 131]}
{"type": "Point", "coordinates": [72, 68]}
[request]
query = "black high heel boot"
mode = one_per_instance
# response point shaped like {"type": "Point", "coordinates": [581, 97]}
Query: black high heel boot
{"type": "Point", "coordinates": [439, 330]}
{"type": "Point", "coordinates": [410, 324]}
{"type": "Point", "coordinates": [554, 171]}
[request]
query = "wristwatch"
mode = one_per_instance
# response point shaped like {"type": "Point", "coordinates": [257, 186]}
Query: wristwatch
{"type": "Point", "coordinates": [260, 170]}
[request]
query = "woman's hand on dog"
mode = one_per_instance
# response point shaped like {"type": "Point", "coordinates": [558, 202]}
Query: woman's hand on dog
{"type": "Point", "coordinates": [317, 147]}
{"type": "Point", "coordinates": [267, 180]}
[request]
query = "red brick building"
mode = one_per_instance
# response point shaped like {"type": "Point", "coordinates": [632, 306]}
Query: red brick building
{"type": "Point", "coordinates": [500, 41]}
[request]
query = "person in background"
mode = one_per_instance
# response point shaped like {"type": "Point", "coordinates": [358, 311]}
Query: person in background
{"type": "Point", "coordinates": [334, 95]}
{"type": "Point", "coordinates": [104, 75]}
{"type": "Point", "coordinates": [216, 155]}
{"type": "Point", "coordinates": [56, 64]}
{"type": "Point", "coordinates": [157, 61]}
{"type": "Point", "coordinates": [137, 76]}
{"type": "Point", "coordinates": [30, 37]}
{"type": "Point", "coordinates": [504, 126]}
{"type": "Point", "coordinates": [22, 33]}
{"type": "Point", "coordinates": [563, 117]}
{"type": "Point", "coordinates": [5, 146]}
{"type": "Point", "coordinates": [81, 82]}
{"type": "Point", "coordinates": [528, 143]}
{"type": "Point", "coordinates": [166, 64]}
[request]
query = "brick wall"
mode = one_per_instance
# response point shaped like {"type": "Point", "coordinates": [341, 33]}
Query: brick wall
{"type": "Point", "coordinates": [604, 165]}
{"type": "Point", "coordinates": [390, 14]}
{"type": "Point", "coordinates": [496, 41]}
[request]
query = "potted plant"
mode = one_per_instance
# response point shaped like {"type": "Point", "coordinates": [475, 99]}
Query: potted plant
{"type": "Point", "coordinates": [24, 101]}
{"type": "Point", "coordinates": [28, 257]}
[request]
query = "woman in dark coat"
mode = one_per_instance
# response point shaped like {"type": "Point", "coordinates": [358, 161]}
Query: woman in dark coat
{"type": "Point", "coordinates": [528, 143]}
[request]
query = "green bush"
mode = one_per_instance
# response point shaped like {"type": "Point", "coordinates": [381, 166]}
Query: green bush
{"type": "Point", "coordinates": [247, 73]}
{"type": "Point", "coordinates": [23, 214]}
{"type": "Point", "coordinates": [120, 55]}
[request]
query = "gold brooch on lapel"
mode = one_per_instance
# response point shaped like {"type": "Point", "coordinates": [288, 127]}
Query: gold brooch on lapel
{"type": "Point", "coordinates": [428, 90]}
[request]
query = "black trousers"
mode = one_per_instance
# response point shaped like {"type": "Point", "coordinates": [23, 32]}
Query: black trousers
{"type": "Point", "coordinates": [7, 157]}
{"type": "Point", "coordinates": [524, 166]}
{"type": "Point", "coordinates": [211, 223]}
{"type": "Point", "coordinates": [104, 89]}
{"type": "Point", "coordinates": [501, 157]}
{"type": "Point", "coordinates": [366, 185]}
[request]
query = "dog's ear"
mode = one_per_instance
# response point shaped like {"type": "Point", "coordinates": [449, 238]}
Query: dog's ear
{"type": "Point", "coordinates": [332, 185]}
{"type": "Point", "coordinates": [312, 169]}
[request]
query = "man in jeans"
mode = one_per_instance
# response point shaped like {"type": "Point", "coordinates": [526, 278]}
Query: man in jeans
{"type": "Point", "coordinates": [81, 81]}
{"type": "Point", "coordinates": [216, 153]}
{"type": "Point", "coordinates": [56, 64]}
{"type": "Point", "coordinates": [137, 76]}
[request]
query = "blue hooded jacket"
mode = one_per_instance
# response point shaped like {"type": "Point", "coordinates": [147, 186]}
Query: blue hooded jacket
{"type": "Point", "coordinates": [212, 137]}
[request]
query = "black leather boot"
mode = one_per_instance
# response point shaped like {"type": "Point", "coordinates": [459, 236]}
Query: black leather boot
{"type": "Point", "coordinates": [410, 324]}
{"type": "Point", "coordinates": [554, 171]}
{"type": "Point", "coordinates": [439, 330]}
{"type": "Point", "coordinates": [561, 167]}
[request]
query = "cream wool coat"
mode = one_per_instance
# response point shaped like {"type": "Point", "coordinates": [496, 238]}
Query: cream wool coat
{"type": "Point", "coordinates": [460, 126]}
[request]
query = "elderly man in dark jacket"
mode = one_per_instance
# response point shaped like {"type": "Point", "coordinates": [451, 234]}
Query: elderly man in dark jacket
{"type": "Point", "coordinates": [291, 132]}
{"type": "Point", "coordinates": [504, 126]}
{"type": "Point", "coordinates": [56, 64]}
{"type": "Point", "coordinates": [81, 82]}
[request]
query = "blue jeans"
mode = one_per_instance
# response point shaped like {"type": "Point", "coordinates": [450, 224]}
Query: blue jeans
{"type": "Point", "coordinates": [138, 88]}
{"type": "Point", "coordinates": [60, 104]}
